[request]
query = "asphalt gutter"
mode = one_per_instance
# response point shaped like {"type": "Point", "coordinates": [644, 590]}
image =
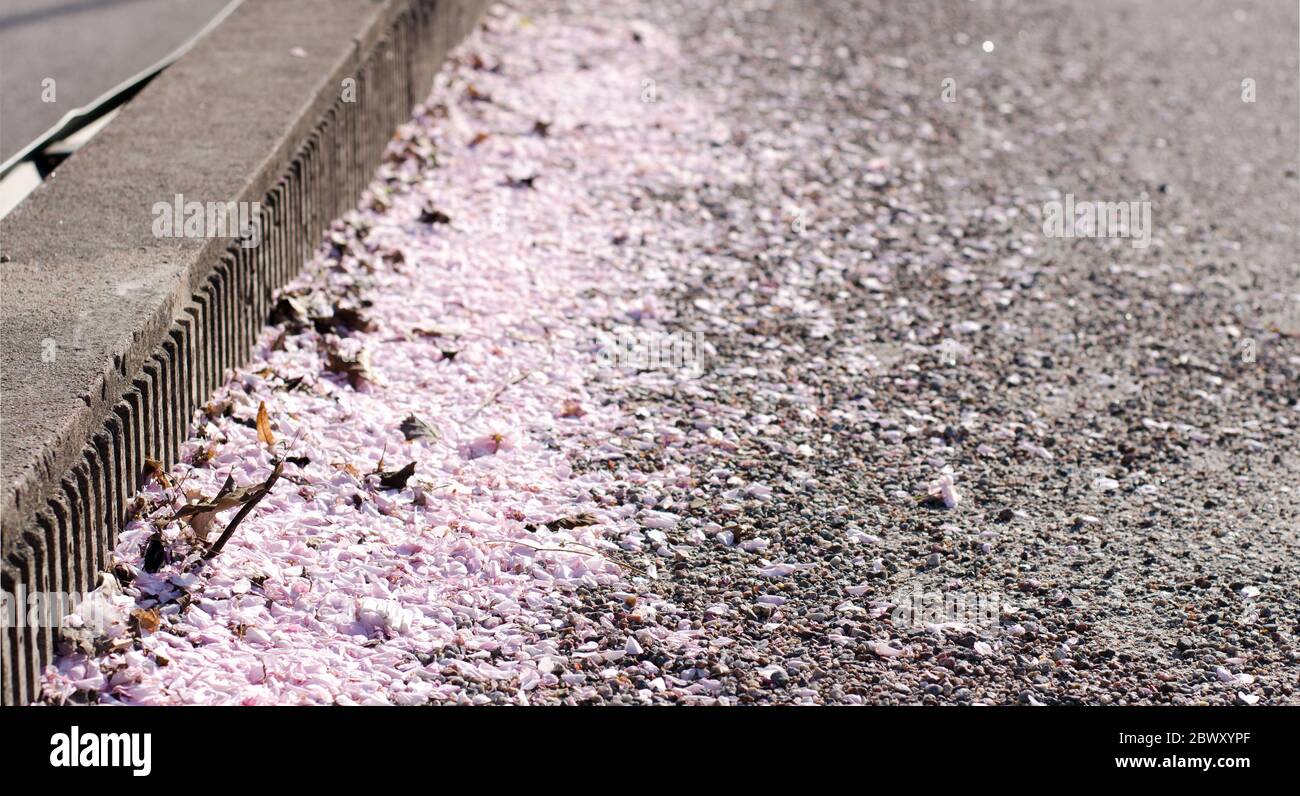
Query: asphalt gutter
{"type": "Point", "coordinates": [110, 336]}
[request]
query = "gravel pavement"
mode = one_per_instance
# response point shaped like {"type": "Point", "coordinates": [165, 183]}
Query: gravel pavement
{"type": "Point", "coordinates": [757, 376]}
{"type": "Point", "coordinates": [885, 303]}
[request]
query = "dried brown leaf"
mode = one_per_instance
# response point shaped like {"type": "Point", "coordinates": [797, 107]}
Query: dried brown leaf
{"type": "Point", "coordinates": [576, 521]}
{"type": "Point", "coordinates": [396, 479]}
{"type": "Point", "coordinates": [264, 425]}
{"type": "Point", "coordinates": [199, 515]}
{"type": "Point", "coordinates": [154, 468]}
{"type": "Point", "coordinates": [432, 215]}
{"type": "Point", "coordinates": [155, 555]}
{"type": "Point", "coordinates": [355, 367]}
{"type": "Point", "coordinates": [342, 320]}
{"type": "Point", "coordinates": [289, 310]}
{"type": "Point", "coordinates": [148, 620]}
{"type": "Point", "coordinates": [415, 428]}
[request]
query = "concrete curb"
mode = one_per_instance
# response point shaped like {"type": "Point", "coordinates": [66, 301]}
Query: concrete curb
{"type": "Point", "coordinates": [112, 336]}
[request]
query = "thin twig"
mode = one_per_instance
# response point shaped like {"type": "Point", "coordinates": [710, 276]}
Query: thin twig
{"type": "Point", "coordinates": [246, 509]}
{"type": "Point", "coordinates": [497, 393]}
{"type": "Point", "coordinates": [590, 551]}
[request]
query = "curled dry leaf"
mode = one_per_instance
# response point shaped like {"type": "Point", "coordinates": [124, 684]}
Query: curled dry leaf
{"type": "Point", "coordinates": [576, 521]}
{"type": "Point", "coordinates": [155, 555]}
{"type": "Point", "coordinates": [521, 180]}
{"type": "Point", "coordinates": [290, 310]}
{"type": "Point", "coordinates": [264, 425]}
{"type": "Point", "coordinates": [342, 320]}
{"type": "Point", "coordinates": [396, 479]}
{"type": "Point", "coordinates": [203, 454]}
{"type": "Point", "coordinates": [415, 428]}
{"type": "Point", "coordinates": [418, 147]}
{"type": "Point", "coordinates": [199, 515]}
{"type": "Point", "coordinates": [355, 367]}
{"type": "Point", "coordinates": [148, 620]}
{"type": "Point", "coordinates": [477, 61]}
{"type": "Point", "coordinates": [347, 467]}
{"type": "Point", "coordinates": [154, 468]}
{"type": "Point", "coordinates": [432, 215]}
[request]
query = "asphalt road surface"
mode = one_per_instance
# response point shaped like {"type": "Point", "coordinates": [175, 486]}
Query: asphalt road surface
{"type": "Point", "coordinates": [86, 47]}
